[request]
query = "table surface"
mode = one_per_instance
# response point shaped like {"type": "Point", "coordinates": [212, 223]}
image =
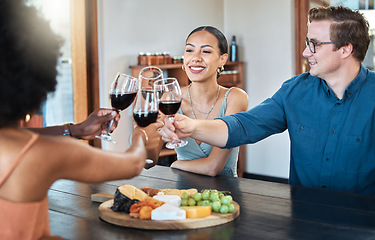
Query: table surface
{"type": "Point", "coordinates": [267, 210]}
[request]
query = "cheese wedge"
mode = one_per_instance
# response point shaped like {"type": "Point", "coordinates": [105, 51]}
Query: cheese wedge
{"type": "Point", "coordinates": [168, 212]}
{"type": "Point", "coordinates": [175, 200]}
{"type": "Point", "coordinates": [197, 211]}
{"type": "Point", "coordinates": [133, 192]}
{"type": "Point", "coordinates": [178, 192]}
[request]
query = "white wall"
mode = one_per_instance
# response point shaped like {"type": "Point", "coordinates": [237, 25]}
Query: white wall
{"type": "Point", "coordinates": [127, 27]}
{"type": "Point", "coordinates": [265, 35]}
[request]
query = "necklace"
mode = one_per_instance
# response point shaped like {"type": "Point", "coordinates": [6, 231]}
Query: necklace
{"type": "Point", "coordinates": [192, 106]}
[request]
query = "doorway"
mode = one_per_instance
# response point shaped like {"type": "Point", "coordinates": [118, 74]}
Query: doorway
{"type": "Point", "coordinates": [58, 108]}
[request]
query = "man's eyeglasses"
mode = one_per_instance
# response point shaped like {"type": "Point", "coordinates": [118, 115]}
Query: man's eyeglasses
{"type": "Point", "coordinates": [311, 44]}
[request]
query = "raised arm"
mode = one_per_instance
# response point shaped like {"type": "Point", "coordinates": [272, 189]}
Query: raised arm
{"type": "Point", "coordinates": [95, 124]}
{"type": "Point", "coordinates": [214, 132]}
{"type": "Point", "coordinates": [213, 165]}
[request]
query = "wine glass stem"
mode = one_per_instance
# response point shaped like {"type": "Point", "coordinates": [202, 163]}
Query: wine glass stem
{"type": "Point", "coordinates": [110, 125]}
{"type": "Point", "coordinates": [171, 118]}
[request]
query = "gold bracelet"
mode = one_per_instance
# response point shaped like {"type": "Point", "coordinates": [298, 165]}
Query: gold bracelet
{"type": "Point", "coordinates": [144, 132]}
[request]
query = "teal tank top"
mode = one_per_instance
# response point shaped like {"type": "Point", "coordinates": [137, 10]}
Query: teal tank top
{"type": "Point", "coordinates": [193, 151]}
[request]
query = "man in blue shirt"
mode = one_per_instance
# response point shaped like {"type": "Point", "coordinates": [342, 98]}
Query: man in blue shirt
{"type": "Point", "coordinates": [329, 112]}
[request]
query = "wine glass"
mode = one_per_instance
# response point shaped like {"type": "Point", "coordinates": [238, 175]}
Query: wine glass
{"type": "Point", "coordinates": [170, 97]}
{"type": "Point", "coordinates": [146, 110]}
{"type": "Point", "coordinates": [147, 77]}
{"type": "Point", "coordinates": [122, 93]}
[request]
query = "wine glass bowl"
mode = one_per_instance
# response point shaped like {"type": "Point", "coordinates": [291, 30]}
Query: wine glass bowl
{"type": "Point", "coordinates": [146, 108]}
{"type": "Point", "coordinates": [170, 97]}
{"type": "Point", "coordinates": [147, 76]}
{"type": "Point", "coordinates": [122, 93]}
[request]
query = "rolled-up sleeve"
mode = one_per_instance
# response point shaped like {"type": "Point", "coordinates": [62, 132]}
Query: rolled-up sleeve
{"type": "Point", "coordinates": [255, 124]}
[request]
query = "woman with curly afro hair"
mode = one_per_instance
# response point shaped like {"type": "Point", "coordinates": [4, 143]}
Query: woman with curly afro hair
{"type": "Point", "coordinates": [30, 162]}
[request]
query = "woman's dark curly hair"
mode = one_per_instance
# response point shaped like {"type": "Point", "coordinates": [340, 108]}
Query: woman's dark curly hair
{"type": "Point", "coordinates": [29, 50]}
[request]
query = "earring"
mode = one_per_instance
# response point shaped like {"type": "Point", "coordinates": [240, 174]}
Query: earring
{"type": "Point", "coordinates": [183, 68]}
{"type": "Point", "coordinates": [220, 70]}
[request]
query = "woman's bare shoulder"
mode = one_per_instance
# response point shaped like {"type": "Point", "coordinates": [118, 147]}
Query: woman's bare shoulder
{"type": "Point", "coordinates": [237, 101]}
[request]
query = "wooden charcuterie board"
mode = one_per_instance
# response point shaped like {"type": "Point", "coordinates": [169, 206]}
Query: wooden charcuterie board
{"type": "Point", "coordinates": [123, 219]}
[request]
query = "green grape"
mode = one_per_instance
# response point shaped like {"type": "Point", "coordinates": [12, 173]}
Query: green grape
{"type": "Point", "coordinates": [200, 203]}
{"type": "Point", "coordinates": [206, 194]}
{"type": "Point", "coordinates": [229, 198]}
{"type": "Point", "coordinates": [214, 191]}
{"type": "Point", "coordinates": [206, 191]}
{"type": "Point", "coordinates": [205, 203]}
{"type": "Point", "coordinates": [231, 208]}
{"type": "Point", "coordinates": [226, 200]}
{"type": "Point", "coordinates": [184, 202]}
{"type": "Point", "coordinates": [191, 202]}
{"type": "Point", "coordinates": [216, 206]}
{"type": "Point", "coordinates": [221, 195]}
{"type": "Point", "coordinates": [224, 209]}
{"type": "Point", "coordinates": [185, 195]}
{"type": "Point", "coordinates": [214, 196]}
{"type": "Point", "coordinates": [197, 197]}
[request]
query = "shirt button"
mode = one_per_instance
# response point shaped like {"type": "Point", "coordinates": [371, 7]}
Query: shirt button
{"type": "Point", "coordinates": [324, 186]}
{"type": "Point", "coordinates": [333, 131]}
{"type": "Point", "coordinates": [327, 159]}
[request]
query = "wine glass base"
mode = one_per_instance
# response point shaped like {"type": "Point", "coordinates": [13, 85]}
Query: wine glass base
{"type": "Point", "coordinates": [107, 138]}
{"type": "Point", "coordinates": [176, 144]}
{"type": "Point", "coordinates": [149, 161]}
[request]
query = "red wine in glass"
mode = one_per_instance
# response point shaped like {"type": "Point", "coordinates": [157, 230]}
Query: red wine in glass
{"type": "Point", "coordinates": [146, 108]}
{"type": "Point", "coordinates": [169, 107]}
{"type": "Point", "coordinates": [122, 93]}
{"type": "Point", "coordinates": [143, 119]}
{"type": "Point", "coordinates": [122, 101]}
{"type": "Point", "coordinates": [170, 97]}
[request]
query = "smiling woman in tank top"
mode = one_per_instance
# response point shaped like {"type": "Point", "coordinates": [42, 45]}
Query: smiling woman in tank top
{"type": "Point", "coordinates": [206, 52]}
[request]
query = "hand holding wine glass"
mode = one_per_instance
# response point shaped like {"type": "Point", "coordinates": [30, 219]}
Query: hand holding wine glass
{"type": "Point", "coordinates": [170, 98]}
{"type": "Point", "coordinates": [122, 93]}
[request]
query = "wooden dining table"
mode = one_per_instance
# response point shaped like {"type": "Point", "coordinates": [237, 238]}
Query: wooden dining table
{"type": "Point", "coordinates": [268, 210]}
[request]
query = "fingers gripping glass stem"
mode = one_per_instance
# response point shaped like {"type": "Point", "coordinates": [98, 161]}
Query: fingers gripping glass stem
{"type": "Point", "coordinates": [169, 103]}
{"type": "Point", "coordinates": [175, 143]}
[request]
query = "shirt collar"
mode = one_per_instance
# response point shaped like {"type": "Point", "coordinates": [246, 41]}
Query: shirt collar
{"type": "Point", "coordinates": [357, 83]}
{"type": "Point", "coordinates": [352, 87]}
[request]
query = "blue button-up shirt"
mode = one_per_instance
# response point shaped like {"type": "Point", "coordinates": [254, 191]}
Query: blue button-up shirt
{"type": "Point", "coordinates": [332, 140]}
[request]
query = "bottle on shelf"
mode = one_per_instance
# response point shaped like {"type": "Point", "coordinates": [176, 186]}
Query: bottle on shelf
{"type": "Point", "coordinates": [142, 58]}
{"type": "Point", "coordinates": [233, 51]}
{"type": "Point", "coordinates": [167, 58]}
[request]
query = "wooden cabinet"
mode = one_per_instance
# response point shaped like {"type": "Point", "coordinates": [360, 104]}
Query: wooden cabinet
{"type": "Point", "coordinates": [233, 75]}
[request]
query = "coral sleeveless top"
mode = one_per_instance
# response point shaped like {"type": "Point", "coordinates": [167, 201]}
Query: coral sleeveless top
{"type": "Point", "coordinates": [23, 220]}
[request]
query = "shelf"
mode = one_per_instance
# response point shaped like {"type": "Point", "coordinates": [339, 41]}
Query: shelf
{"type": "Point", "coordinates": [177, 65]}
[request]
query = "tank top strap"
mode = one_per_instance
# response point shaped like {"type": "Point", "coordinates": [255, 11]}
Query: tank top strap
{"type": "Point", "coordinates": [227, 92]}
{"type": "Point", "coordinates": [19, 157]}
{"type": "Point", "coordinates": [223, 107]}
